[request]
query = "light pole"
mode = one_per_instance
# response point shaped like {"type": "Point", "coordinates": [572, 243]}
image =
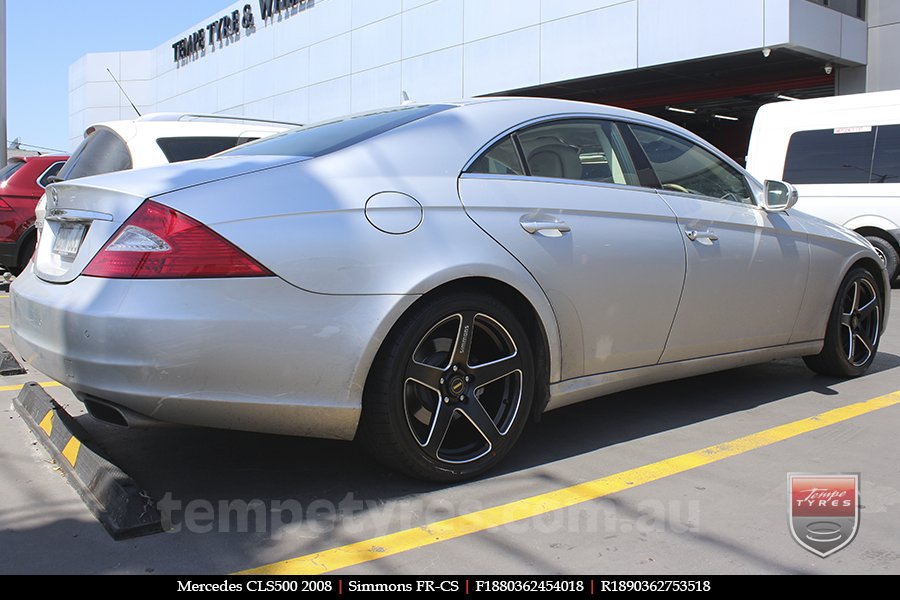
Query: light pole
{"type": "Point", "coordinates": [2, 83]}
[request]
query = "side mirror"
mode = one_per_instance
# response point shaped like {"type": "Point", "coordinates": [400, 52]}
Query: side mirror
{"type": "Point", "coordinates": [779, 196]}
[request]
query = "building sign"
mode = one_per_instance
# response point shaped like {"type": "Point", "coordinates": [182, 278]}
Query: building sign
{"type": "Point", "coordinates": [230, 26]}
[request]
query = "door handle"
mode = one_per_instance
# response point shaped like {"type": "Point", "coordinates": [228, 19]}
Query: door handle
{"type": "Point", "coordinates": [695, 235]}
{"type": "Point", "coordinates": [546, 228]}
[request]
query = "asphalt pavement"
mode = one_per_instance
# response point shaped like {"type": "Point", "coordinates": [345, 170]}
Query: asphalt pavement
{"type": "Point", "coordinates": [237, 501]}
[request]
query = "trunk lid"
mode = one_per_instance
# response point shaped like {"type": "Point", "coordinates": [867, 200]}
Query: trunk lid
{"type": "Point", "coordinates": [83, 214]}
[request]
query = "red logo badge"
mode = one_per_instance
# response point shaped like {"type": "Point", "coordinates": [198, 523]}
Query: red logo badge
{"type": "Point", "coordinates": [823, 510]}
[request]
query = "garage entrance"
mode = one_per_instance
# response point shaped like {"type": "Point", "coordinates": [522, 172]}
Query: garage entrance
{"type": "Point", "coordinates": [716, 98]}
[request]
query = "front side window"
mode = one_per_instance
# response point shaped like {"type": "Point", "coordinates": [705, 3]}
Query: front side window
{"type": "Point", "coordinates": [580, 149]}
{"type": "Point", "coordinates": [841, 155]}
{"type": "Point", "coordinates": [682, 166]}
{"type": "Point", "coordinates": [102, 151]}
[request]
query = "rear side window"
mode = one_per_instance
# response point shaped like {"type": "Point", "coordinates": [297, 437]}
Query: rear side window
{"type": "Point", "coordinates": [331, 136]}
{"type": "Point", "coordinates": [7, 171]}
{"type": "Point", "coordinates": [102, 151]}
{"type": "Point", "coordinates": [842, 155]}
{"type": "Point", "coordinates": [586, 150]}
{"type": "Point", "coordinates": [682, 166]}
{"type": "Point", "coordinates": [886, 162]}
{"type": "Point", "coordinates": [44, 181]}
{"type": "Point", "coordinates": [500, 159]}
{"type": "Point", "coordinates": [178, 149]}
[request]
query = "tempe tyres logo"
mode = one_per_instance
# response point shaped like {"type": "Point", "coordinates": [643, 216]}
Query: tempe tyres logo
{"type": "Point", "coordinates": [823, 510]}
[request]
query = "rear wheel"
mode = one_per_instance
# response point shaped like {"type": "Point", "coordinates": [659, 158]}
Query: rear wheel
{"type": "Point", "coordinates": [854, 328]}
{"type": "Point", "coordinates": [887, 253]}
{"type": "Point", "coordinates": [26, 251]}
{"type": "Point", "coordinates": [451, 389]}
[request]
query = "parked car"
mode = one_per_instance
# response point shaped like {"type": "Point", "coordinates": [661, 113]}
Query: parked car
{"type": "Point", "coordinates": [427, 278]}
{"type": "Point", "coordinates": [22, 181]}
{"type": "Point", "coordinates": [843, 154]}
{"type": "Point", "coordinates": [157, 139]}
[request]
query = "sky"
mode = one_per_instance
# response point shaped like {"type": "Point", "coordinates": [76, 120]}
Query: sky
{"type": "Point", "coordinates": [45, 37]}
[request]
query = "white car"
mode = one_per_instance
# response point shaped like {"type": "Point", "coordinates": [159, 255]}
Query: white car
{"type": "Point", "coordinates": [157, 139]}
{"type": "Point", "coordinates": [843, 154]}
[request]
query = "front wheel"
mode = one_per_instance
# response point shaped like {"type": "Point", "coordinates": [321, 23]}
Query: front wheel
{"type": "Point", "coordinates": [451, 389]}
{"type": "Point", "coordinates": [887, 253]}
{"type": "Point", "coordinates": [854, 328]}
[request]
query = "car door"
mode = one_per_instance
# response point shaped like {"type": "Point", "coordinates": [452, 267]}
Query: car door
{"type": "Point", "coordinates": [563, 198]}
{"type": "Point", "coordinates": [746, 268]}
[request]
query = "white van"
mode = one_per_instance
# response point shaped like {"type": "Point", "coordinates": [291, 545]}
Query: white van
{"type": "Point", "coordinates": [843, 155]}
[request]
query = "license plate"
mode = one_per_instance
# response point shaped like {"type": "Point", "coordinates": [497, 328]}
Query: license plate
{"type": "Point", "coordinates": [68, 239]}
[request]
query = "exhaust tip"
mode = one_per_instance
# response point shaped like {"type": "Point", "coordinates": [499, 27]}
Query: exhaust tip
{"type": "Point", "coordinates": [106, 413]}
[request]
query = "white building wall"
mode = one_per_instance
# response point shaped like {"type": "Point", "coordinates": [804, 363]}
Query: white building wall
{"type": "Point", "coordinates": [338, 56]}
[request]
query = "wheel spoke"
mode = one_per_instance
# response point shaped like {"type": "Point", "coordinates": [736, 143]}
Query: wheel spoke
{"type": "Point", "coordinates": [498, 369]}
{"type": "Point", "coordinates": [439, 426]}
{"type": "Point", "coordinates": [855, 302]}
{"type": "Point", "coordinates": [426, 375]}
{"type": "Point", "coordinates": [866, 309]}
{"type": "Point", "coordinates": [846, 319]}
{"type": "Point", "coordinates": [851, 350]}
{"type": "Point", "coordinates": [462, 345]}
{"type": "Point", "coordinates": [865, 344]}
{"type": "Point", "coordinates": [475, 412]}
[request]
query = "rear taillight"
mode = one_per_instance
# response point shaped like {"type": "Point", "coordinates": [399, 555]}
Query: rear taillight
{"type": "Point", "coordinates": [158, 242]}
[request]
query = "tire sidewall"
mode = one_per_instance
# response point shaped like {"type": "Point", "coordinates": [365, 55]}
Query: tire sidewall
{"type": "Point", "coordinates": [401, 347]}
{"type": "Point", "coordinates": [891, 257]}
{"type": "Point", "coordinates": [833, 336]}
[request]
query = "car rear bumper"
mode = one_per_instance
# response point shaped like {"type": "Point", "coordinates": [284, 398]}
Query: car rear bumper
{"type": "Point", "coordinates": [253, 354]}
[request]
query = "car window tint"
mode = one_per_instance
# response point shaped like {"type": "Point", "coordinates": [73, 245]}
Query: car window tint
{"type": "Point", "coordinates": [500, 159]}
{"type": "Point", "coordinates": [102, 151]}
{"type": "Point", "coordinates": [682, 166]}
{"type": "Point", "coordinates": [886, 163]}
{"type": "Point", "coordinates": [53, 170]}
{"type": "Point", "coordinates": [331, 136]}
{"type": "Point", "coordinates": [842, 155]}
{"type": "Point", "coordinates": [178, 149]}
{"type": "Point", "coordinates": [7, 171]}
{"type": "Point", "coordinates": [586, 150]}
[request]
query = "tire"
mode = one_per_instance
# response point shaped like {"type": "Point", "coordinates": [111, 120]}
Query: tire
{"type": "Point", "coordinates": [888, 254]}
{"type": "Point", "coordinates": [25, 254]}
{"type": "Point", "coordinates": [854, 328]}
{"type": "Point", "coordinates": [455, 367]}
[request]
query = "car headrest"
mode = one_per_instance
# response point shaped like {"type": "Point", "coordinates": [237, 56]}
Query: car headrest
{"type": "Point", "coordinates": [555, 160]}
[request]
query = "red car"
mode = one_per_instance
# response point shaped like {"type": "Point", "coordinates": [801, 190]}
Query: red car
{"type": "Point", "coordinates": [22, 181]}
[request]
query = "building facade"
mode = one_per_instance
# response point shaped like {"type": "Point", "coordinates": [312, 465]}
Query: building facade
{"type": "Point", "coordinates": [308, 60]}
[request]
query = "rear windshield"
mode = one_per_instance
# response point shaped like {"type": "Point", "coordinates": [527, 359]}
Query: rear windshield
{"type": "Point", "coordinates": [323, 138]}
{"type": "Point", "coordinates": [178, 149]}
{"type": "Point", "coordinates": [7, 171]}
{"type": "Point", "coordinates": [102, 151]}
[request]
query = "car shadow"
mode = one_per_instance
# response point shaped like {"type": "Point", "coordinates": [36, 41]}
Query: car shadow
{"type": "Point", "coordinates": [197, 463]}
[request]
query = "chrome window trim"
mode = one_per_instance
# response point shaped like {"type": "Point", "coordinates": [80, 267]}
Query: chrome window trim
{"type": "Point", "coordinates": [560, 181]}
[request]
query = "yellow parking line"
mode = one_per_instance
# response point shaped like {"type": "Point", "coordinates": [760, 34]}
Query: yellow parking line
{"type": "Point", "coordinates": [418, 537]}
{"type": "Point", "coordinates": [19, 386]}
{"type": "Point", "coordinates": [4, 326]}
{"type": "Point", "coordinates": [4, 296]}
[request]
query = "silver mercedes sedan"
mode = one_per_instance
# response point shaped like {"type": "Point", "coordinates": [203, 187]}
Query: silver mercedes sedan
{"type": "Point", "coordinates": [429, 278]}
